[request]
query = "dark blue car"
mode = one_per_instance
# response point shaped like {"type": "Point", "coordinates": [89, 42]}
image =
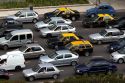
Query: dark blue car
{"type": "Point", "coordinates": [96, 66]}
{"type": "Point", "coordinates": [114, 46]}
{"type": "Point", "coordinates": [101, 9]}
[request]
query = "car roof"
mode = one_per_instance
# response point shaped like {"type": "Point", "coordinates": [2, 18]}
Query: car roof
{"type": "Point", "coordinates": [22, 31]}
{"type": "Point", "coordinates": [68, 34]}
{"type": "Point", "coordinates": [104, 4]}
{"type": "Point", "coordinates": [80, 42]}
{"type": "Point", "coordinates": [62, 24]}
{"type": "Point", "coordinates": [27, 10]}
{"type": "Point", "coordinates": [56, 18]}
{"type": "Point", "coordinates": [112, 30]}
{"type": "Point", "coordinates": [63, 51]}
{"type": "Point", "coordinates": [105, 15]}
{"type": "Point", "coordinates": [46, 65]}
{"type": "Point", "coordinates": [33, 45]}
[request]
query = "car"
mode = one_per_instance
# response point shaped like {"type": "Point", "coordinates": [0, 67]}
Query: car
{"type": "Point", "coordinates": [57, 29]}
{"type": "Point", "coordinates": [4, 74]}
{"type": "Point", "coordinates": [101, 20]}
{"type": "Point", "coordinates": [60, 58]}
{"type": "Point", "coordinates": [119, 55]}
{"type": "Point", "coordinates": [82, 47]}
{"type": "Point", "coordinates": [120, 25]}
{"type": "Point", "coordinates": [31, 50]}
{"type": "Point", "coordinates": [64, 12]}
{"type": "Point", "coordinates": [96, 66]}
{"type": "Point", "coordinates": [62, 39]}
{"type": "Point", "coordinates": [48, 22]}
{"type": "Point", "coordinates": [114, 46]}
{"type": "Point", "coordinates": [25, 16]}
{"type": "Point", "coordinates": [102, 8]}
{"type": "Point", "coordinates": [106, 35]}
{"type": "Point", "coordinates": [45, 70]}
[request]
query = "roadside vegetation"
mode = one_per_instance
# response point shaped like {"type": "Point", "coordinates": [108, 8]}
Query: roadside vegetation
{"type": "Point", "coordinates": [38, 3]}
{"type": "Point", "coordinates": [114, 78]}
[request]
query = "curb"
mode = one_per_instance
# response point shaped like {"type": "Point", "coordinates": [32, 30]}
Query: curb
{"type": "Point", "coordinates": [44, 7]}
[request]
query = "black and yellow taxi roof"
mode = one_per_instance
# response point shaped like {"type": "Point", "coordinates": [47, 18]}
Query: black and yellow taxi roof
{"type": "Point", "coordinates": [70, 35]}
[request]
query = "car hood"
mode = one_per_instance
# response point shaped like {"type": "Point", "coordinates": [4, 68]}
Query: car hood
{"type": "Point", "coordinates": [95, 36]}
{"type": "Point", "coordinates": [2, 40]}
{"type": "Point", "coordinates": [41, 24]}
{"type": "Point", "coordinates": [45, 30]}
{"type": "Point", "coordinates": [12, 16]}
{"type": "Point", "coordinates": [28, 72]}
{"type": "Point", "coordinates": [45, 59]}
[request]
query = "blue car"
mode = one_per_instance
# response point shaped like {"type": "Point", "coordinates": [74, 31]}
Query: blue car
{"type": "Point", "coordinates": [114, 46]}
{"type": "Point", "coordinates": [101, 9]}
{"type": "Point", "coordinates": [98, 65]}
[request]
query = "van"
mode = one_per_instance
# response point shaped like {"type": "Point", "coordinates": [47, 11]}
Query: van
{"type": "Point", "coordinates": [12, 61]}
{"type": "Point", "coordinates": [16, 38]}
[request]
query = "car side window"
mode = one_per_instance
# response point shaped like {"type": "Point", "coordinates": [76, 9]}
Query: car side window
{"type": "Point", "coordinates": [109, 34]}
{"type": "Point", "coordinates": [58, 28]}
{"type": "Point", "coordinates": [64, 28]}
{"type": "Point", "coordinates": [28, 50]}
{"type": "Point", "coordinates": [22, 37]}
{"type": "Point", "coordinates": [30, 14]}
{"type": "Point", "coordinates": [29, 36]}
{"type": "Point", "coordinates": [14, 38]}
{"type": "Point", "coordinates": [50, 69]}
{"type": "Point", "coordinates": [68, 55]}
{"type": "Point", "coordinates": [42, 69]}
{"type": "Point", "coordinates": [22, 15]}
{"type": "Point", "coordinates": [106, 7]}
{"type": "Point", "coordinates": [101, 8]}
{"type": "Point", "coordinates": [60, 21]}
{"type": "Point", "coordinates": [36, 48]}
{"type": "Point", "coordinates": [59, 57]}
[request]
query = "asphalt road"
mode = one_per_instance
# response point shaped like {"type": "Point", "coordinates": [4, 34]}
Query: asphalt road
{"type": "Point", "coordinates": [99, 50]}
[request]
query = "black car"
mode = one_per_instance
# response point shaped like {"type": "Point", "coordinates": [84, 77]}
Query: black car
{"type": "Point", "coordinates": [4, 74]}
{"type": "Point", "coordinates": [65, 12]}
{"type": "Point", "coordinates": [96, 66]}
{"type": "Point", "coordinates": [114, 46]}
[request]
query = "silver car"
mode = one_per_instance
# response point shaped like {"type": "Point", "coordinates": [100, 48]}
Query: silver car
{"type": "Point", "coordinates": [56, 29]}
{"type": "Point", "coordinates": [31, 50]}
{"type": "Point", "coordinates": [119, 56]}
{"type": "Point", "coordinates": [45, 70]}
{"type": "Point", "coordinates": [61, 57]}
{"type": "Point", "coordinates": [25, 16]}
{"type": "Point", "coordinates": [48, 22]}
{"type": "Point", "coordinates": [107, 35]}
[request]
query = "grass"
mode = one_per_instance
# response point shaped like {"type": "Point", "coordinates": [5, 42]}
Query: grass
{"type": "Point", "coordinates": [38, 3]}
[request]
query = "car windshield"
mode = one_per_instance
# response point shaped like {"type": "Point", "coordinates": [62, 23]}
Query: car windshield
{"type": "Point", "coordinates": [53, 55]}
{"type": "Point", "coordinates": [103, 32]}
{"type": "Point", "coordinates": [56, 11]}
{"type": "Point", "coordinates": [122, 51]}
{"type": "Point", "coordinates": [47, 20]}
{"type": "Point", "coordinates": [36, 68]}
{"type": "Point", "coordinates": [23, 48]}
{"type": "Point", "coordinates": [52, 27]}
{"type": "Point", "coordinates": [8, 36]}
{"type": "Point", "coordinates": [90, 64]}
{"type": "Point", "coordinates": [17, 14]}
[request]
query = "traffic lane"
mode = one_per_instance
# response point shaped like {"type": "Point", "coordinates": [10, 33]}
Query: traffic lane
{"type": "Point", "coordinates": [99, 50]}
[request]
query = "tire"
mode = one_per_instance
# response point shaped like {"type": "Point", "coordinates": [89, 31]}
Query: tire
{"type": "Point", "coordinates": [74, 63]}
{"type": "Point", "coordinates": [73, 18]}
{"type": "Point", "coordinates": [99, 42]}
{"type": "Point", "coordinates": [34, 20]}
{"type": "Point", "coordinates": [5, 47]}
{"type": "Point", "coordinates": [87, 54]}
{"type": "Point", "coordinates": [120, 61]}
{"type": "Point", "coordinates": [31, 78]}
{"type": "Point", "coordinates": [18, 68]}
{"type": "Point", "coordinates": [55, 76]}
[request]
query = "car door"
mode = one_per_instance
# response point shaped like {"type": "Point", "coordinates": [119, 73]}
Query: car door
{"type": "Point", "coordinates": [50, 71]}
{"type": "Point", "coordinates": [56, 31]}
{"type": "Point", "coordinates": [68, 59]}
{"type": "Point", "coordinates": [22, 17]}
{"type": "Point", "coordinates": [28, 53]}
{"type": "Point", "coordinates": [14, 41]}
{"type": "Point", "coordinates": [107, 37]}
{"type": "Point", "coordinates": [36, 51]}
{"type": "Point", "coordinates": [59, 60]}
{"type": "Point", "coordinates": [116, 35]}
{"type": "Point", "coordinates": [22, 39]}
{"type": "Point", "coordinates": [41, 73]}
{"type": "Point", "coordinates": [30, 16]}
{"type": "Point", "coordinates": [64, 29]}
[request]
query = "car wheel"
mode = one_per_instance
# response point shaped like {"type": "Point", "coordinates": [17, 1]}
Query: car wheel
{"type": "Point", "coordinates": [73, 18]}
{"type": "Point", "coordinates": [5, 47]}
{"type": "Point", "coordinates": [120, 61]}
{"type": "Point", "coordinates": [18, 68]}
{"type": "Point", "coordinates": [87, 54]}
{"type": "Point", "coordinates": [31, 78]}
{"type": "Point", "coordinates": [99, 42]}
{"type": "Point", "coordinates": [74, 63]}
{"type": "Point", "coordinates": [35, 20]}
{"type": "Point", "coordinates": [55, 76]}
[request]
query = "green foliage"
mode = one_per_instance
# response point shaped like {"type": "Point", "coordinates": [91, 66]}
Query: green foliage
{"type": "Point", "coordinates": [41, 3]}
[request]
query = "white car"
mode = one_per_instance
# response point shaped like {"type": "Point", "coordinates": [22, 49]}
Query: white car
{"type": "Point", "coordinates": [57, 29]}
{"type": "Point", "coordinates": [53, 20]}
{"type": "Point", "coordinates": [119, 56]}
